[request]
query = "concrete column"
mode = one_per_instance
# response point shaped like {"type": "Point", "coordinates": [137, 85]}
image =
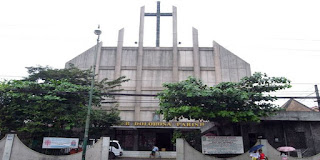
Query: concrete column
{"type": "Point", "coordinates": [98, 60]}
{"type": "Point", "coordinates": [180, 149]}
{"type": "Point", "coordinates": [117, 72]}
{"type": "Point", "coordinates": [105, 148]}
{"type": "Point", "coordinates": [217, 62]}
{"type": "Point", "coordinates": [196, 54]}
{"type": "Point", "coordinates": [135, 140]}
{"type": "Point", "coordinates": [175, 71]}
{"type": "Point", "coordinates": [139, 67]}
{"type": "Point", "coordinates": [8, 147]}
{"type": "Point", "coordinates": [313, 139]}
{"type": "Point", "coordinates": [141, 27]}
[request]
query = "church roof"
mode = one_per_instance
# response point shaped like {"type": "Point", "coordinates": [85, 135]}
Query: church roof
{"type": "Point", "coordinates": [293, 105]}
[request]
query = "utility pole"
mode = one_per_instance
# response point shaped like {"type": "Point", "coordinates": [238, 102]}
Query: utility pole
{"type": "Point", "coordinates": [317, 95]}
{"type": "Point", "coordinates": [86, 131]}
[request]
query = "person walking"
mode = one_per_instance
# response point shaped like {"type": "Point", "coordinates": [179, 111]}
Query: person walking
{"type": "Point", "coordinates": [262, 156]}
{"type": "Point", "coordinates": [153, 151]}
{"type": "Point", "coordinates": [284, 156]}
{"type": "Point", "coordinates": [254, 155]}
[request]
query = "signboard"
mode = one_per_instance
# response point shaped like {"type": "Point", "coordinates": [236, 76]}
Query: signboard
{"type": "Point", "coordinates": [222, 145]}
{"type": "Point", "coordinates": [144, 124]}
{"type": "Point", "coordinates": [57, 142]}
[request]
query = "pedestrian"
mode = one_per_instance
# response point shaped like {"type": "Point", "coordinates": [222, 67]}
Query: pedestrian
{"type": "Point", "coordinates": [73, 151]}
{"type": "Point", "coordinates": [284, 156]}
{"type": "Point", "coordinates": [153, 151]}
{"type": "Point", "coordinates": [262, 156]}
{"type": "Point", "coordinates": [254, 155]}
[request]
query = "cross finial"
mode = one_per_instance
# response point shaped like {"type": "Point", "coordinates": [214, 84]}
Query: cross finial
{"type": "Point", "coordinates": [158, 14]}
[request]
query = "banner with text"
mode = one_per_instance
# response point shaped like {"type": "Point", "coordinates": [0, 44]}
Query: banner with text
{"type": "Point", "coordinates": [141, 124]}
{"type": "Point", "coordinates": [222, 145]}
{"type": "Point", "coordinates": [57, 142]}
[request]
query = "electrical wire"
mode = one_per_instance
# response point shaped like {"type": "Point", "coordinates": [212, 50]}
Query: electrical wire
{"type": "Point", "coordinates": [308, 96]}
{"type": "Point", "coordinates": [156, 80]}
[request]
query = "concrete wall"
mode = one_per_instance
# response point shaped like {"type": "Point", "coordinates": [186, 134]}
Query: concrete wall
{"type": "Point", "coordinates": [294, 116]}
{"type": "Point", "coordinates": [186, 152]}
{"type": "Point", "coordinates": [299, 134]}
{"type": "Point", "coordinates": [287, 128]}
{"type": "Point", "coordinates": [214, 64]}
{"type": "Point", "coordinates": [84, 60]}
{"type": "Point", "coordinates": [297, 129]}
{"type": "Point", "coordinates": [233, 68]}
{"type": "Point", "coordinates": [98, 151]}
{"type": "Point", "coordinates": [2, 143]}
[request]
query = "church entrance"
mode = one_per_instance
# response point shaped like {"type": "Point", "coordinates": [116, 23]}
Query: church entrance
{"type": "Point", "coordinates": [163, 141]}
{"type": "Point", "coordinates": [144, 139]}
{"type": "Point", "coordinates": [159, 137]}
{"type": "Point", "coordinates": [142, 136]}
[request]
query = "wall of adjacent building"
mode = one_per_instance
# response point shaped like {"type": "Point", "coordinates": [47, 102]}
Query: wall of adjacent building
{"type": "Point", "coordinates": [300, 130]}
{"type": "Point", "coordinates": [186, 152]}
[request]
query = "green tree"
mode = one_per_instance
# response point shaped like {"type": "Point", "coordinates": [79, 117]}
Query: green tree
{"type": "Point", "coordinates": [54, 101]}
{"type": "Point", "coordinates": [244, 101]}
{"type": "Point", "coordinates": [192, 137]}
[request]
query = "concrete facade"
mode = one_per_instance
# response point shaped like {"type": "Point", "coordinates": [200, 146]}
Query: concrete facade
{"type": "Point", "coordinates": [149, 67]}
{"type": "Point", "coordinates": [148, 71]}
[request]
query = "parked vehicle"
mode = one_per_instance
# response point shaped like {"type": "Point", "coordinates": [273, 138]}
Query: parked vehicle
{"type": "Point", "coordinates": [115, 149]}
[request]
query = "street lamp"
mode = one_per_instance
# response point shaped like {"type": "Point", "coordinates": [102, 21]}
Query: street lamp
{"type": "Point", "coordinates": [85, 139]}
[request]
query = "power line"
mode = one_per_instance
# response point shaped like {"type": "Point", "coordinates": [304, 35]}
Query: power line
{"type": "Point", "coordinates": [296, 97]}
{"type": "Point", "coordinates": [305, 83]}
{"type": "Point", "coordinates": [308, 96]}
{"type": "Point", "coordinates": [297, 49]}
{"type": "Point", "coordinates": [130, 102]}
{"type": "Point", "coordinates": [154, 95]}
{"type": "Point", "coordinates": [297, 83]}
{"type": "Point", "coordinates": [293, 91]}
{"type": "Point", "coordinates": [130, 94]}
{"type": "Point", "coordinates": [11, 76]}
{"type": "Point", "coordinates": [297, 39]}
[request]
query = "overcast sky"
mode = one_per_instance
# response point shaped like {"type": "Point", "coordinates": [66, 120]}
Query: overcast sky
{"type": "Point", "coordinates": [278, 37]}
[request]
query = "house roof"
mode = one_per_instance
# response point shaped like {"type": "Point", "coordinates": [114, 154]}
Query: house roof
{"type": "Point", "coordinates": [315, 108]}
{"type": "Point", "coordinates": [293, 105]}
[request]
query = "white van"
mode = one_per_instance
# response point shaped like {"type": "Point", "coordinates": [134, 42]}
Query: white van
{"type": "Point", "coordinates": [115, 149]}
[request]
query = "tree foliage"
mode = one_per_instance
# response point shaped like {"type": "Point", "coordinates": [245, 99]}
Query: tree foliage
{"type": "Point", "coordinates": [54, 100]}
{"type": "Point", "coordinates": [193, 137]}
{"type": "Point", "coordinates": [243, 101]}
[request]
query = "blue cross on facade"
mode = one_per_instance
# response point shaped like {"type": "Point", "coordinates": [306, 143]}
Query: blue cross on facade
{"type": "Point", "coordinates": [158, 14]}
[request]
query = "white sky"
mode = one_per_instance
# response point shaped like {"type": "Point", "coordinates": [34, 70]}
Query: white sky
{"type": "Point", "coordinates": [278, 37]}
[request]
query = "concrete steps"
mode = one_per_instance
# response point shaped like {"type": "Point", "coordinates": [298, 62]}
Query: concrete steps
{"type": "Point", "coordinates": [146, 154]}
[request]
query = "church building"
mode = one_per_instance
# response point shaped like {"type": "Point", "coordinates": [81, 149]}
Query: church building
{"type": "Point", "coordinates": [148, 68]}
